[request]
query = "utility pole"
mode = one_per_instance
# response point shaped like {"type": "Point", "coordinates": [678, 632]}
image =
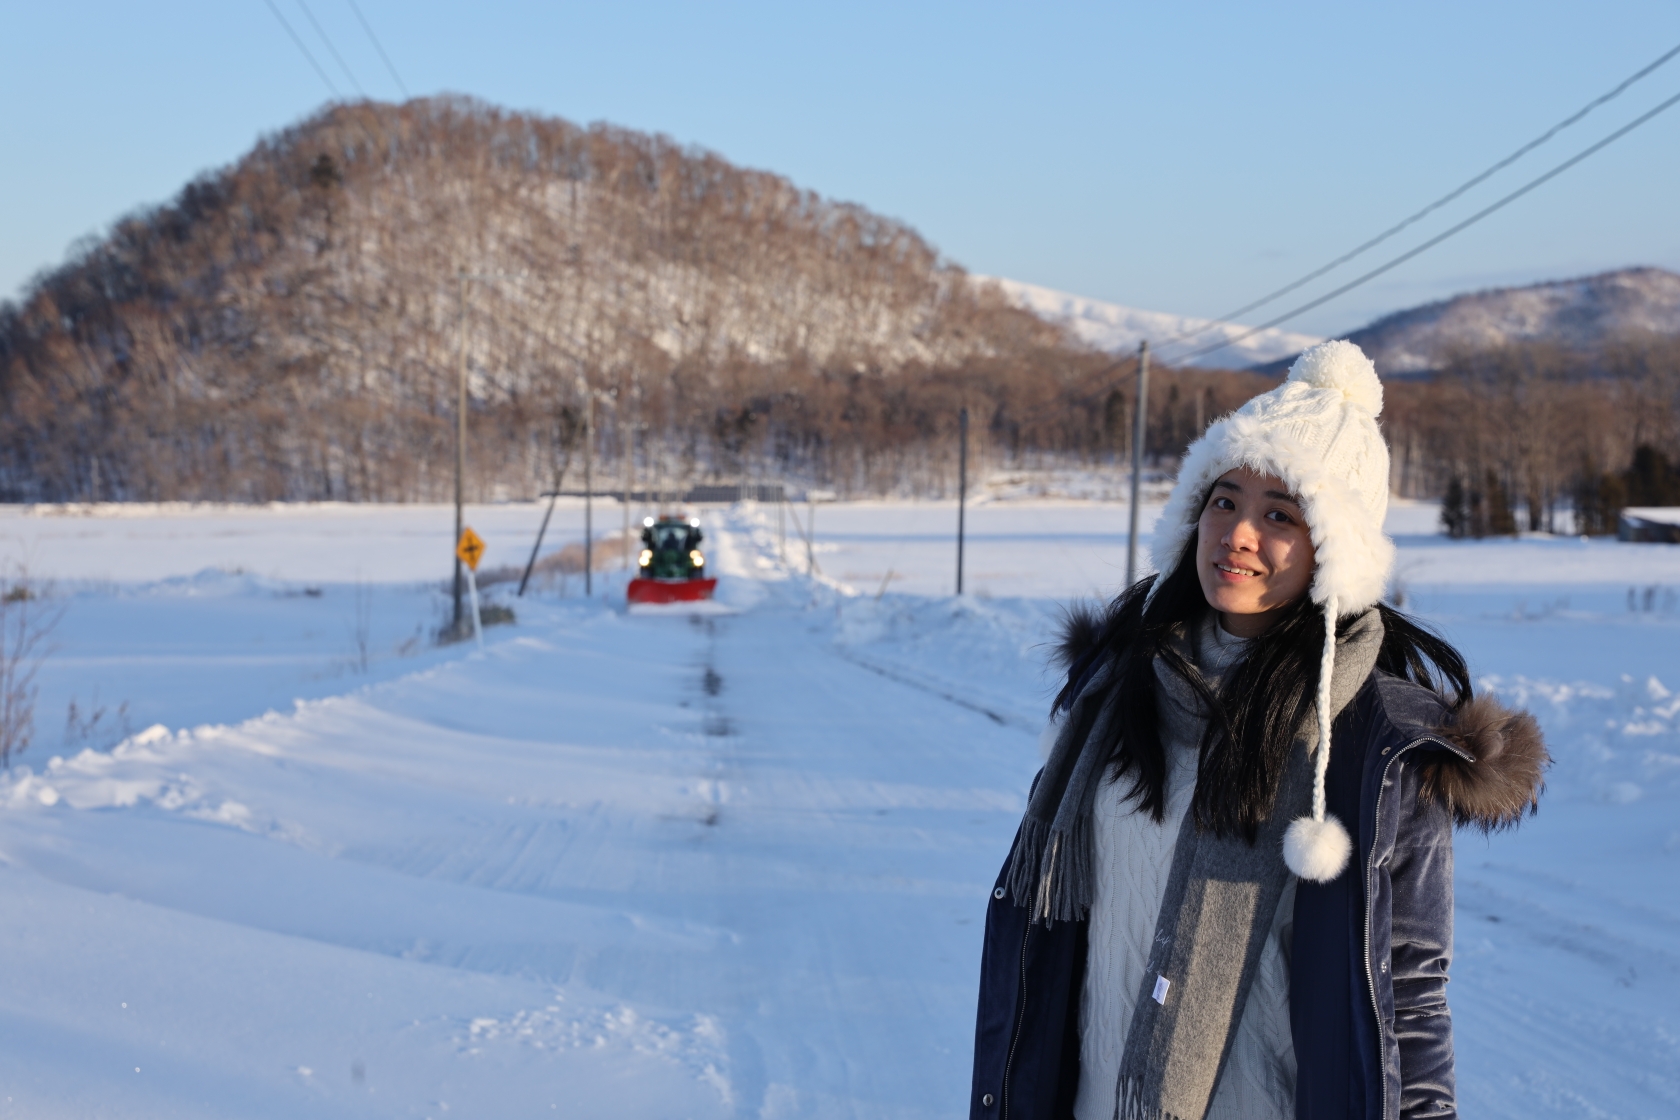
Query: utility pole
{"type": "Point", "coordinates": [461, 278]}
{"type": "Point", "coordinates": [627, 425]}
{"type": "Point", "coordinates": [588, 487]}
{"type": "Point", "coordinates": [460, 439]}
{"type": "Point", "coordinates": [962, 489]}
{"type": "Point", "coordinates": [1139, 430]}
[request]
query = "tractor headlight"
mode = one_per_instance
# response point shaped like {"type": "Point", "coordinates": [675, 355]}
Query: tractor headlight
{"type": "Point", "coordinates": [645, 558]}
{"type": "Point", "coordinates": [697, 558]}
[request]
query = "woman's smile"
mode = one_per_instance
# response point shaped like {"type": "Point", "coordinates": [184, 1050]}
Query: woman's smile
{"type": "Point", "coordinates": [1233, 572]}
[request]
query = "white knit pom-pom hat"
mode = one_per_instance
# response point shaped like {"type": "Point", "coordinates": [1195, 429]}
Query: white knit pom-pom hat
{"type": "Point", "coordinates": [1318, 433]}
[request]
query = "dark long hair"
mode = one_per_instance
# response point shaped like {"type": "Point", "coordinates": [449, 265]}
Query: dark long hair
{"type": "Point", "coordinates": [1258, 709]}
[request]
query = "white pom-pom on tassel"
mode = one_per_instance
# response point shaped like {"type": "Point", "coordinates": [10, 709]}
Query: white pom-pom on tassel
{"type": "Point", "coordinates": [1317, 847]}
{"type": "Point", "coordinates": [1342, 366]}
{"type": "Point", "coordinates": [1316, 850]}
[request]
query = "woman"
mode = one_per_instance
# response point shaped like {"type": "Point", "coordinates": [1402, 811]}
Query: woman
{"type": "Point", "coordinates": [1208, 912]}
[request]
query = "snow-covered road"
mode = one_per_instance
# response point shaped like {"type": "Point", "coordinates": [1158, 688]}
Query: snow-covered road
{"type": "Point", "coordinates": [729, 863]}
{"type": "Point", "coordinates": [647, 865]}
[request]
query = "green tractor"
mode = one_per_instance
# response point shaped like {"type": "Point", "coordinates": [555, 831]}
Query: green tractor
{"type": "Point", "coordinates": [671, 567]}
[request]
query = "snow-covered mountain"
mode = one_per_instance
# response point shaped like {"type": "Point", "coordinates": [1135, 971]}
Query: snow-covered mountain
{"type": "Point", "coordinates": [1581, 314]}
{"type": "Point", "coordinates": [1116, 328]}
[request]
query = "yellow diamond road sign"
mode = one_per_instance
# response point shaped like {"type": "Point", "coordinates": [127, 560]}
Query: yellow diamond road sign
{"type": "Point", "coordinates": [470, 548]}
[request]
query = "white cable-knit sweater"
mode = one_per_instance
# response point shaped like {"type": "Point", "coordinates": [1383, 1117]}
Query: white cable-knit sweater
{"type": "Point", "coordinates": [1133, 858]}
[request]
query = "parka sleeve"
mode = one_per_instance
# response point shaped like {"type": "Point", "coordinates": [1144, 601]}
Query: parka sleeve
{"type": "Point", "coordinates": [1421, 880]}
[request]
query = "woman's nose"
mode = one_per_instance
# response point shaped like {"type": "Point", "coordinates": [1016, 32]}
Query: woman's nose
{"type": "Point", "coordinates": [1243, 536]}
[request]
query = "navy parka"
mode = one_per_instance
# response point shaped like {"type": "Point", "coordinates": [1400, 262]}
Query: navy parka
{"type": "Point", "coordinates": [1368, 1010]}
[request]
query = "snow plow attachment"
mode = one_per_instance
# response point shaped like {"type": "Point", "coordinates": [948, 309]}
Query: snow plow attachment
{"type": "Point", "coordinates": [671, 568]}
{"type": "Point", "coordinates": [671, 590]}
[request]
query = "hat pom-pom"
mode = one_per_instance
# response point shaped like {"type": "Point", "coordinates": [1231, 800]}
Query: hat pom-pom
{"type": "Point", "coordinates": [1316, 850]}
{"type": "Point", "coordinates": [1342, 366]}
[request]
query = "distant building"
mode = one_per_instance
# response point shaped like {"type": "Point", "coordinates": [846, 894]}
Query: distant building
{"type": "Point", "coordinates": [1650, 523]}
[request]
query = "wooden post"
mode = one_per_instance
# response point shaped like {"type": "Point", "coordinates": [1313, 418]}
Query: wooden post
{"type": "Point", "coordinates": [810, 535]}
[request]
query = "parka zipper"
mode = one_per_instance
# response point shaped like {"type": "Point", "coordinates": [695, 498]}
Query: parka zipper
{"type": "Point", "coordinates": [1370, 875]}
{"type": "Point", "coordinates": [1020, 1017]}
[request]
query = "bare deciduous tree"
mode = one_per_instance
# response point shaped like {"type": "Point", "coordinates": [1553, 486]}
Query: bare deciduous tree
{"type": "Point", "coordinates": [26, 621]}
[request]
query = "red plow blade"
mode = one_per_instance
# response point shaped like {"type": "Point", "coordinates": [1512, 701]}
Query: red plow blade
{"type": "Point", "coordinates": [671, 590]}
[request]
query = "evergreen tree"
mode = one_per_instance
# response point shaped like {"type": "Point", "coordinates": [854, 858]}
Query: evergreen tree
{"type": "Point", "coordinates": [1599, 498]}
{"type": "Point", "coordinates": [1455, 510]}
{"type": "Point", "coordinates": [1501, 518]}
{"type": "Point", "coordinates": [1652, 480]}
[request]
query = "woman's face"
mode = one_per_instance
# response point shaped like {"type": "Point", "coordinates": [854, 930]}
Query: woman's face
{"type": "Point", "coordinates": [1253, 552]}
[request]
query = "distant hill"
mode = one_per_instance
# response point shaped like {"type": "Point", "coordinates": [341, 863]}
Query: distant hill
{"type": "Point", "coordinates": [1578, 314]}
{"type": "Point", "coordinates": [292, 326]}
{"type": "Point", "coordinates": [1115, 329]}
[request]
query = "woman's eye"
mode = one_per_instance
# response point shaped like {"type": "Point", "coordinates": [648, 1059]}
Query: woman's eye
{"type": "Point", "coordinates": [1280, 516]}
{"type": "Point", "coordinates": [1224, 503]}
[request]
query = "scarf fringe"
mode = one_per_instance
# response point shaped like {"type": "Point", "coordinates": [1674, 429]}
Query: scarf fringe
{"type": "Point", "coordinates": [1053, 872]}
{"type": "Point", "coordinates": [1023, 865]}
{"type": "Point", "coordinates": [1129, 1103]}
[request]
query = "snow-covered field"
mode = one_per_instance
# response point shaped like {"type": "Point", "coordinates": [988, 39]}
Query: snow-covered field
{"type": "Point", "coordinates": [731, 863]}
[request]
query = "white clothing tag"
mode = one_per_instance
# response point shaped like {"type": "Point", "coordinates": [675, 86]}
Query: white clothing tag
{"type": "Point", "coordinates": [1161, 986]}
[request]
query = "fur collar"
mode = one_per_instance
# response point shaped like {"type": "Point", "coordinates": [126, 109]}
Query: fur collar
{"type": "Point", "coordinates": [1491, 778]}
{"type": "Point", "coordinates": [1496, 773]}
{"type": "Point", "coordinates": [1082, 627]}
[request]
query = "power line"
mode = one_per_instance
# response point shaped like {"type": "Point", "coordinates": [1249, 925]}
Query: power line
{"type": "Point", "coordinates": [1440, 237]}
{"type": "Point", "coordinates": [322, 32]}
{"type": "Point", "coordinates": [372, 139]}
{"type": "Point", "coordinates": [1450, 196]}
{"type": "Point", "coordinates": [376, 46]}
{"type": "Point", "coordinates": [302, 48]}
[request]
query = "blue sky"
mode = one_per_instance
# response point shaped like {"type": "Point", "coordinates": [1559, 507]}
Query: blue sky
{"type": "Point", "coordinates": [1180, 158]}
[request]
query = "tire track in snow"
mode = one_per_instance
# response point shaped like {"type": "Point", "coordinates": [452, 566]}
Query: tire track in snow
{"type": "Point", "coordinates": [862, 823]}
{"type": "Point", "coordinates": [904, 678]}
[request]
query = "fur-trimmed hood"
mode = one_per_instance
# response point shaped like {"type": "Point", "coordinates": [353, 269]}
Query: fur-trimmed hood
{"type": "Point", "coordinates": [1083, 624]}
{"type": "Point", "coordinates": [1491, 776]}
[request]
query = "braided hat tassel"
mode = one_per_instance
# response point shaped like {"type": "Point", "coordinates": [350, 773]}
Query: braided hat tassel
{"type": "Point", "coordinates": [1317, 847]}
